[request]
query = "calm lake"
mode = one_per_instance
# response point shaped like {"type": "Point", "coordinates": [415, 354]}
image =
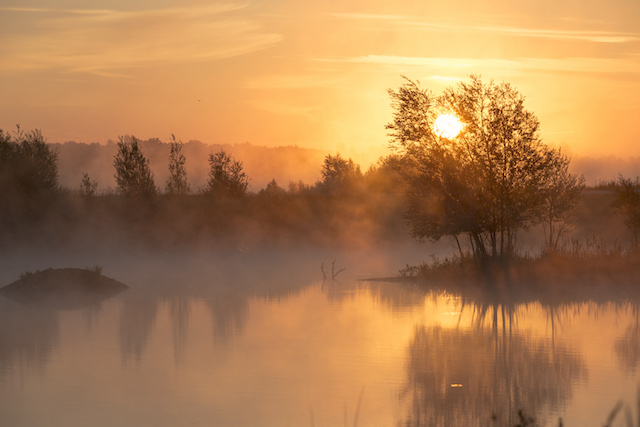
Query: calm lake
{"type": "Point", "coordinates": [259, 338]}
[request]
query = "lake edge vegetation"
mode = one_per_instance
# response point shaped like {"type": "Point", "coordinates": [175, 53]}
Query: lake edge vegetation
{"type": "Point", "coordinates": [482, 189]}
{"type": "Point", "coordinates": [489, 181]}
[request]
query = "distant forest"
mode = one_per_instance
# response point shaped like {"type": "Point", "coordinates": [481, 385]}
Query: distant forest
{"type": "Point", "coordinates": [262, 164]}
{"type": "Point", "coordinates": [284, 163]}
{"type": "Point", "coordinates": [172, 209]}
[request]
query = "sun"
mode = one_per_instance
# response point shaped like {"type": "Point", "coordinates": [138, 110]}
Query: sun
{"type": "Point", "coordinates": [447, 126]}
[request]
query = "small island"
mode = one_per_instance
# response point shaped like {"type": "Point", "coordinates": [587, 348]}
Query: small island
{"type": "Point", "coordinates": [63, 287]}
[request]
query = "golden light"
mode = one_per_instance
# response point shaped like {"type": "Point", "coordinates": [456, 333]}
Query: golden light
{"type": "Point", "coordinates": [447, 126]}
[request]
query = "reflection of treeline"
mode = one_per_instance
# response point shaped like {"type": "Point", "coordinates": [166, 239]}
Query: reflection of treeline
{"type": "Point", "coordinates": [486, 377]}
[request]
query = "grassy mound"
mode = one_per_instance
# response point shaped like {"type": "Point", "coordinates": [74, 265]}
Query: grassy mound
{"type": "Point", "coordinates": [66, 287]}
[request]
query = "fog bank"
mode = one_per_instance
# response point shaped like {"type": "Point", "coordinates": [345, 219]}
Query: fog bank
{"type": "Point", "coordinates": [262, 164]}
{"type": "Point", "coordinates": [600, 169]}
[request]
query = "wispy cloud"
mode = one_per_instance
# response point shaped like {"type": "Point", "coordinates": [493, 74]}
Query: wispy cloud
{"type": "Point", "coordinates": [106, 42]}
{"type": "Point", "coordinates": [504, 66]}
{"type": "Point", "coordinates": [61, 11]}
{"type": "Point", "coordinates": [408, 22]}
{"type": "Point", "coordinates": [588, 36]}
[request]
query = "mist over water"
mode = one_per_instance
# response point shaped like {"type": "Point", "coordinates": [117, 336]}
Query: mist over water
{"type": "Point", "coordinates": [277, 308]}
{"type": "Point", "coordinates": [163, 282]}
{"type": "Point", "coordinates": [261, 337]}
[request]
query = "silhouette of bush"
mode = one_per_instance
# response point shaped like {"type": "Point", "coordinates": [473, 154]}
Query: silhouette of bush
{"type": "Point", "coordinates": [339, 174]}
{"type": "Point", "coordinates": [88, 187]}
{"type": "Point", "coordinates": [28, 166]}
{"type": "Point", "coordinates": [627, 203]}
{"type": "Point", "coordinates": [177, 183]}
{"type": "Point", "coordinates": [226, 176]}
{"type": "Point", "coordinates": [28, 181]}
{"type": "Point", "coordinates": [133, 174]}
{"type": "Point", "coordinates": [273, 190]}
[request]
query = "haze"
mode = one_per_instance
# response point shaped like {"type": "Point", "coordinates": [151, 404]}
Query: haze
{"type": "Point", "coordinates": [311, 74]}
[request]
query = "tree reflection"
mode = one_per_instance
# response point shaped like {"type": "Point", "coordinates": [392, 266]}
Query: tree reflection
{"type": "Point", "coordinates": [27, 337]}
{"type": "Point", "coordinates": [628, 347]}
{"type": "Point", "coordinates": [229, 315]}
{"type": "Point", "coordinates": [485, 376]}
{"type": "Point", "coordinates": [137, 318]}
{"type": "Point", "coordinates": [179, 310]}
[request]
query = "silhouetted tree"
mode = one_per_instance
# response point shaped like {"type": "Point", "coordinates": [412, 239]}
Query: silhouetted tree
{"type": "Point", "coordinates": [386, 175]}
{"type": "Point", "coordinates": [133, 174]}
{"type": "Point", "coordinates": [489, 181]}
{"type": "Point", "coordinates": [273, 189]}
{"type": "Point", "coordinates": [177, 182]}
{"type": "Point", "coordinates": [561, 197]}
{"type": "Point", "coordinates": [627, 203]}
{"type": "Point", "coordinates": [339, 174]}
{"type": "Point", "coordinates": [28, 166]}
{"type": "Point", "coordinates": [298, 187]}
{"type": "Point", "coordinates": [226, 176]}
{"type": "Point", "coordinates": [88, 187]}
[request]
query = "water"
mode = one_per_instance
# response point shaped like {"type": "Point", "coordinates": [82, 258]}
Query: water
{"type": "Point", "coordinates": [261, 340]}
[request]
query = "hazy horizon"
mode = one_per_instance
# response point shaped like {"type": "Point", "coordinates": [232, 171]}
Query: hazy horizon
{"type": "Point", "coordinates": [312, 75]}
{"type": "Point", "coordinates": [285, 163]}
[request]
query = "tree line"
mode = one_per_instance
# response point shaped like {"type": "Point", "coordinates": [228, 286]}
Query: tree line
{"type": "Point", "coordinates": [481, 187]}
{"type": "Point", "coordinates": [226, 175]}
{"type": "Point", "coordinates": [223, 210]}
{"type": "Point", "coordinates": [29, 168]}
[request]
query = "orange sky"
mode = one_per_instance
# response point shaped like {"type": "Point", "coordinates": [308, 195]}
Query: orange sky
{"type": "Point", "coordinates": [313, 74]}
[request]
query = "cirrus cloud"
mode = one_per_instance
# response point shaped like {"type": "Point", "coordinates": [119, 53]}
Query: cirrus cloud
{"type": "Point", "coordinates": [108, 42]}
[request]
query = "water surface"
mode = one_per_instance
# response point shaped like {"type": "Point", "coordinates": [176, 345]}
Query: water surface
{"type": "Point", "coordinates": [234, 340]}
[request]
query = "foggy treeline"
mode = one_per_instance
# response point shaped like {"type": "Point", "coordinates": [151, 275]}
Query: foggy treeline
{"type": "Point", "coordinates": [332, 201]}
{"type": "Point", "coordinates": [262, 164]}
{"type": "Point", "coordinates": [340, 208]}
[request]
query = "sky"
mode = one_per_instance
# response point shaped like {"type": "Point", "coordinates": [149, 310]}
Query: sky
{"type": "Point", "coordinates": [312, 74]}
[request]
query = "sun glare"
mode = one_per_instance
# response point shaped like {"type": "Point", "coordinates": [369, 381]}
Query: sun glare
{"type": "Point", "coordinates": [447, 126]}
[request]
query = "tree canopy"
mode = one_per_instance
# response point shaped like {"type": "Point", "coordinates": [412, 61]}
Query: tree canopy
{"type": "Point", "coordinates": [226, 176]}
{"type": "Point", "coordinates": [177, 183]}
{"type": "Point", "coordinates": [339, 174]}
{"type": "Point", "coordinates": [133, 174]}
{"type": "Point", "coordinates": [627, 203]}
{"type": "Point", "coordinates": [489, 181]}
{"type": "Point", "coordinates": [28, 166]}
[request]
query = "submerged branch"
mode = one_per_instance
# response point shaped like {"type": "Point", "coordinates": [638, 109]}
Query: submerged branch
{"type": "Point", "coordinates": [335, 273]}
